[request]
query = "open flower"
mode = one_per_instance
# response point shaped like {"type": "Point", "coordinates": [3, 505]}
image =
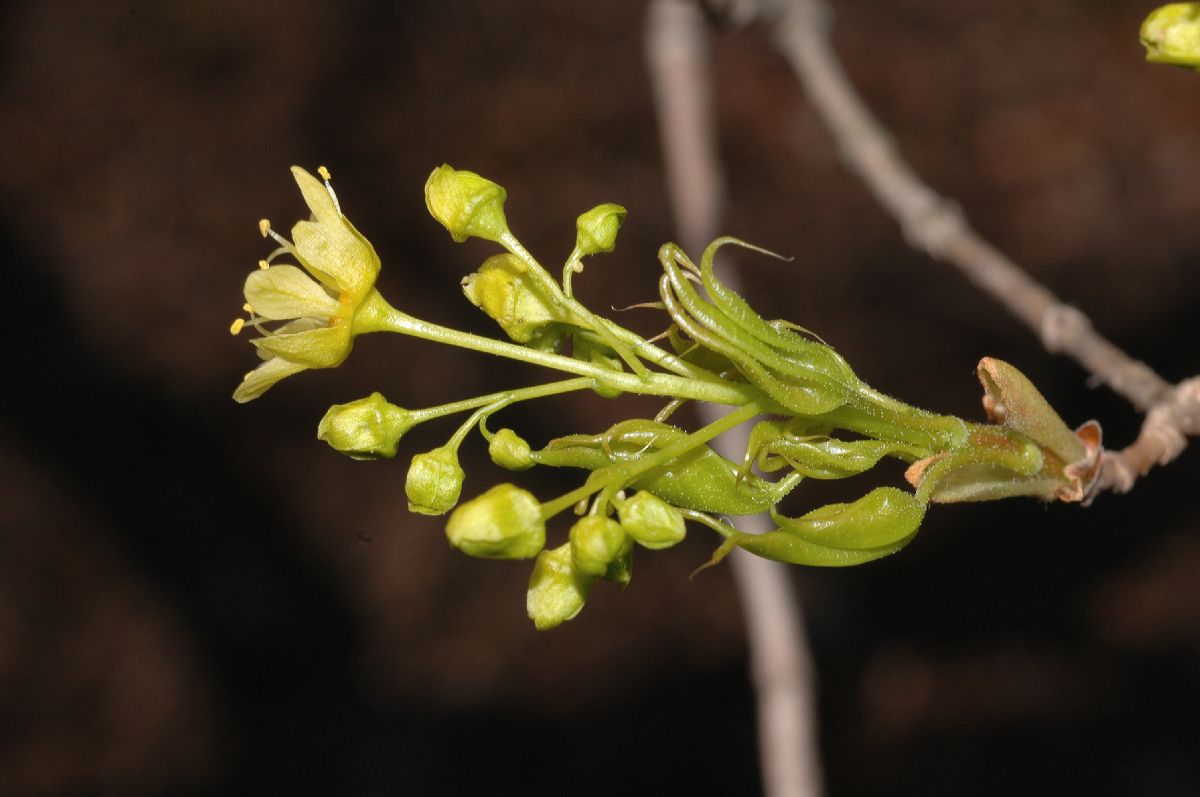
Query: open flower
{"type": "Point", "coordinates": [319, 304]}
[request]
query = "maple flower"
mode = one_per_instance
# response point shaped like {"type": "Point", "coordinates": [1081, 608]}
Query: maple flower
{"type": "Point", "coordinates": [319, 303]}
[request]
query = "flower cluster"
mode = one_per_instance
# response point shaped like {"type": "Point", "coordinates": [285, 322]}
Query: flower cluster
{"type": "Point", "coordinates": [646, 478]}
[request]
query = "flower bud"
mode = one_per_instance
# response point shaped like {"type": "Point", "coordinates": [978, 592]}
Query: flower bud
{"type": "Point", "coordinates": [510, 451]}
{"type": "Point", "coordinates": [503, 523]}
{"type": "Point", "coordinates": [434, 482]}
{"type": "Point", "coordinates": [651, 521]}
{"type": "Point", "coordinates": [368, 428]}
{"type": "Point", "coordinates": [1171, 35]}
{"type": "Point", "coordinates": [1012, 401]}
{"type": "Point", "coordinates": [557, 591]}
{"type": "Point", "coordinates": [595, 543]}
{"type": "Point", "coordinates": [596, 230]}
{"type": "Point", "coordinates": [466, 204]}
{"type": "Point", "coordinates": [503, 288]}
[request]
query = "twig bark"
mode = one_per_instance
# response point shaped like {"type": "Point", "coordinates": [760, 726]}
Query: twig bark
{"type": "Point", "coordinates": [934, 224]}
{"type": "Point", "coordinates": [678, 56]}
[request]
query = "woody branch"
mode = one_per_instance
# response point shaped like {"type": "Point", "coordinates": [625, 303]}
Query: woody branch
{"type": "Point", "coordinates": [935, 224]}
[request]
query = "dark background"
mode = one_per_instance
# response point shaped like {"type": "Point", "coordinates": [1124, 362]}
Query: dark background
{"type": "Point", "coordinates": [199, 598]}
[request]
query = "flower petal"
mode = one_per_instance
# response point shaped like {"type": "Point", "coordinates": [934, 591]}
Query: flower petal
{"type": "Point", "coordinates": [281, 292]}
{"type": "Point", "coordinates": [291, 327]}
{"type": "Point", "coordinates": [261, 379]}
{"type": "Point", "coordinates": [340, 252]}
{"type": "Point", "coordinates": [316, 196]}
{"type": "Point", "coordinates": [300, 325]}
{"type": "Point", "coordinates": [314, 348]}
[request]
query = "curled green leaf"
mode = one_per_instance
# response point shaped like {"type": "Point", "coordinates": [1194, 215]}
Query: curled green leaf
{"type": "Point", "coordinates": [838, 535]}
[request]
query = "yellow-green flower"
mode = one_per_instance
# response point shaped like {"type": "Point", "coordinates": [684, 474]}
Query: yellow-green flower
{"type": "Point", "coordinates": [319, 303]}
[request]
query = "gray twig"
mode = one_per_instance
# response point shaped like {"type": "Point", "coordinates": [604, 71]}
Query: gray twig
{"type": "Point", "coordinates": [678, 55]}
{"type": "Point", "coordinates": [934, 224]}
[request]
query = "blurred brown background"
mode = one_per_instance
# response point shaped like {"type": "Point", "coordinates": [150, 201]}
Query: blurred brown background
{"type": "Point", "coordinates": [199, 598]}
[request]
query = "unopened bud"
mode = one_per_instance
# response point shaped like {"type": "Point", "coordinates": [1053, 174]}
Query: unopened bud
{"type": "Point", "coordinates": [368, 428]}
{"type": "Point", "coordinates": [503, 288]}
{"type": "Point", "coordinates": [510, 451]}
{"type": "Point", "coordinates": [596, 230]}
{"type": "Point", "coordinates": [1171, 35]}
{"type": "Point", "coordinates": [1012, 400]}
{"type": "Point", "coordinates": [651, 521]}
{"type": "Point", "coordinates": [557, 590]}
{"type": "Point", "coordinates": [466, 204]}
{"type": "Point", "coordinates": [434, 482]}
{"type": "Point", "coordinates": [503, 523]}
{"type": "Point", "coordinates": [596, 542]}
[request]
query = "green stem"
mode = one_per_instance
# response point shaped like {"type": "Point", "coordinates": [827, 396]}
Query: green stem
{"type": "Point", "coordinates": [512, 396]}
{"type": "Point", "coordinates": [461, 433]}
{"type": "Point", "coordinates": [873, 414]}
{"type": "Point", "coordinates": [719, 526]}
{"type": "Point", "coordinates": [376, 315]}
{"type": "Point", "coordinates": [640, 346]}
{"type": "Point", "coordinates": [572, 306]}
{"type": "Point", "coordinates": [661, 357]}
{"type": "Point", "coordinates": [570, 270]}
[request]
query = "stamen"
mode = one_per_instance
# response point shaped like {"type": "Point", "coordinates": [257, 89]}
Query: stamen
{"type": "Point", "coordinates": [264, 226]}
{"type": "Point", "coordinates": [321, 170]}
{"type": "Point", "coordinates": [236, 326]}
{"type": "Point", "coordinates": [279, 239]}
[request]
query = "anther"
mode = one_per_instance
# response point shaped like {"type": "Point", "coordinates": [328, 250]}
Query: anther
{"type": "Point", "coordinates": [263, 264]}
{"type": "Point", "coordinates": [321, 170]}
{"type": "Point", "coordinates": [236, 326]}
{"type": "Point", "coordinates": [264, 226]}
{"type": "Point", "coordinates": [248, 308]}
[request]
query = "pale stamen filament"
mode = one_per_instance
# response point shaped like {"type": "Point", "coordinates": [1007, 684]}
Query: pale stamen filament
{"type": "Point", "coordinates": [284, 243]}
{"type": "Point", "coordinates": [321, 170]}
